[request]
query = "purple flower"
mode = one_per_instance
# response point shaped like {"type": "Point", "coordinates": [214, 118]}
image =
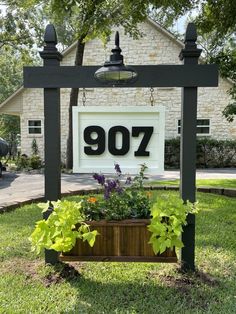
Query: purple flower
{"type": "Point", "coordinates": [128, 180]}
{"type": "Point", "coordinates": [100, 178]}
{"type": "Point", "coordinates": [119, 190]}
{"type": "Point", "coordinates": [109, 186]}
{"type": "Point", "coordinates": [117, 169]}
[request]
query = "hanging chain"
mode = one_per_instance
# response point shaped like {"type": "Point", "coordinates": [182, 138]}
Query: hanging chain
{"type": "Point", "coordinates": [152, 96]}
{"type": "Point", "coordinates": [84, 97]}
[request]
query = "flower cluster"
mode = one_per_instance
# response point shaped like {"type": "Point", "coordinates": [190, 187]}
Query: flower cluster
{"type": "Point", "coordinates": [110, 185]}
{"type": "Point", "coordinates": [120, 201]}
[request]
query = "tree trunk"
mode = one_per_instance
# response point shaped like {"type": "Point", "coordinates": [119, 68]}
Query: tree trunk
{"type": "Point", "coordinates": [73, 102]}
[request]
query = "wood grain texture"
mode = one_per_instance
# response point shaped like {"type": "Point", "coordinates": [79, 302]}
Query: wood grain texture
{"type": "Point", "coordinates": [119, 241]}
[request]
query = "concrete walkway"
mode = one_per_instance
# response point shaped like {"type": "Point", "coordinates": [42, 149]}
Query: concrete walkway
{"type": "Point", "coordinates": [21, 187]}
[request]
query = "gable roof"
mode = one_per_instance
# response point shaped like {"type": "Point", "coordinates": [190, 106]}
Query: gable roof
{"type": "Point", "coordinates": [155, 24]}
{"type": "Point", "coordinates": [8, 99]}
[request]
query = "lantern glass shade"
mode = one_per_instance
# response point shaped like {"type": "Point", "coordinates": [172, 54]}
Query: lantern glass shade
{"type": "Point", "coordinates": [115, 74]}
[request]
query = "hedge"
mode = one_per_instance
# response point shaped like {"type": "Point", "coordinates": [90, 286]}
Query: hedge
{"type": "Point", "coordinates": [211, 153]}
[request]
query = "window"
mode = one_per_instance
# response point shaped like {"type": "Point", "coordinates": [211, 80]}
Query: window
{"type": "Point", "coordinates": [203, 126]}
{"type": "Point", "coordinates": [35, 126]}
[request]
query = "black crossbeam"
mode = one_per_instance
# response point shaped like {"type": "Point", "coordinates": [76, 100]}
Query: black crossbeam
{"type": "Point", "coordinates": [148, 75]}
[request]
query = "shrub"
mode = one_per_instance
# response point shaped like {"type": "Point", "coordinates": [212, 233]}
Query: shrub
{"type": "Point", "coordinates": [26, 163]}
{"type": "Point", "coordinates": [22, 162]}
{"type": "Point", "coordinates": [210, 153]}
{"type": "Point", "coordinates": [34, 147]}
{"type": "Point", "coordinates": [35, 162]}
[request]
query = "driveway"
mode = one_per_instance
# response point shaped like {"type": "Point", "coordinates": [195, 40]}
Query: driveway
{"type": "Point", "coordinates": [20, 187]}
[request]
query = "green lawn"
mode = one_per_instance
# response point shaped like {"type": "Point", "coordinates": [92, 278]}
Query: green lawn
{"type": "Point", "coordinates": [221, 183]}
{"type": "Point", "coordinates": [26, 286]}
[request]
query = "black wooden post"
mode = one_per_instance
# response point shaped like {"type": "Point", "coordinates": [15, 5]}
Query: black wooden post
{"type": "Point", "coordinates": [190, 55]}
{"type": "Point", "coordinates": [52, 134]}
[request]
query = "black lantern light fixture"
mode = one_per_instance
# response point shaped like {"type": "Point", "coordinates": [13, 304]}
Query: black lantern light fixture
{"type": "Point", "coordinates": [114, 72]}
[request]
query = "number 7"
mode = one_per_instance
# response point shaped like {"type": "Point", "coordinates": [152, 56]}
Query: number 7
{"type": "Point", "coordinates": [147, 130]}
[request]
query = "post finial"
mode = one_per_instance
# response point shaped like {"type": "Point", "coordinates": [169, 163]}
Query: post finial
{"type": "Point", "coordinates": [191, 33]}
{"type": "Point", "coordinates": [117, 39]}
{"type": "Point", "coordinates": [50, 50]}
{"type": "Point", "coordinates": [50, 36]}
{"type": "Point", "coordinates": [190, 51]}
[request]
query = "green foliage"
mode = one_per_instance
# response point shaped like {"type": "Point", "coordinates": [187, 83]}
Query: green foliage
{"type": "Point", "coordinates": [225, 57]}
{"type": "Point", "coordinates": [172, 153]}
{"type": "Point", "coordinates": [60, 231]}
{"type": "Point", "coordinates": [34, 147]}
{"type": "Point", "coordinates": [218, 183]}
{"type": "Point", "coordinates": [13, 30]}
{"type": "Point", "coordinates": [217, 23]}
{"type": "Point", "coordinates": [167, 12]}
{"type": "Point", "coordinates": [9, 130]}
{"type": "Point", "coordinates": [211, 153]}
{"type": "Point", "coordinates": [216, 26]}
{"type": "Point", "coordinates": [120, 201]}
{"type": "Point", "coordinates": [129, 204]}
{"type": "Point", "coordinates": [218, 17]}
{"type": "Point", "coordinates": [229, 112]}
{"type": "Point", "coordinates": [216, 153]}
{"type": "Point", "coordinates": [24, 162]}
{"type": "Point", "coordinates": [19, 31]}
{"type": "Point", "coordinates": [168, 219]}
{"type": "Point", "coordinates": [35, 162]}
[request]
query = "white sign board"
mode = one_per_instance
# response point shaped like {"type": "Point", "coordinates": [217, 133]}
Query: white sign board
{"type": "Point", "coordinates": [129, 136]}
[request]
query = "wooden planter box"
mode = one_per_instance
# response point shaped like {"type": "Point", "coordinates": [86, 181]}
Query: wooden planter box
{"type": "Point", "coordinates": [119, 241]}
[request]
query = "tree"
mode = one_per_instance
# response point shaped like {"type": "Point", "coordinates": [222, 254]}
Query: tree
{"type": "Point", "coordinates": [86, 19]}
{"type": "Point", "coordinates": [216, 24]}
{"type": "Point", "coordinates": [217, 21]}
{"type": "Point", "coordinates": [16, 47]}
{"type": "Point", "coordinates": [9, 130]}
{"type": "Point", "coordinates": [20, 28]}
{"type": "Point", "coordinates": [94, 18]}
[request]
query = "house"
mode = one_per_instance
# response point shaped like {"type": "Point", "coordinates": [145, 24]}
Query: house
{"type": "Point", "coordinates": [156, 46]}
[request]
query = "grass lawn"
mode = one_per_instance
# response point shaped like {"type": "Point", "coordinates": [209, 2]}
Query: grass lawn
{"type": "Point", "coordinates": [27, 286]}
{"type": "Point", "coordinates": [221, 183]}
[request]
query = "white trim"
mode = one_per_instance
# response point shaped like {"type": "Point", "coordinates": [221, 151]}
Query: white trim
{"type": "Point", "coordinates": [69, 49]}
{"type": "Point", "coordinates": [198, 134]}
{"type": "Point", "coordinates": [17, 92]}
{"type": "Point", "coordinates": [129, 163]}
{"type": "Point", "coordinates": [36, 127]}
{"type": "Point", "coordinates": [158, 108]}
{"type": "Point", "coordinates": [166, 32]}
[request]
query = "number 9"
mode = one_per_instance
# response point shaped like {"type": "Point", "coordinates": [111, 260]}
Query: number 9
{"type": "Point", "coordinates": [99, 140]}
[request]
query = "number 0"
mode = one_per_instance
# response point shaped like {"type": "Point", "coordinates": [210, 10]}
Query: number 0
{"type": "Point", "coordinates": [112, 140]}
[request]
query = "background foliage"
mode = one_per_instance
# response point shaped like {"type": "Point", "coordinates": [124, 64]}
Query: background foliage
{"type": "Point", "coordinates": [211, 153]}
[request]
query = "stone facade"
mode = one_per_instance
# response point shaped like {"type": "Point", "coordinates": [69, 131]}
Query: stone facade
{"type": "Point", "coordinates": [156, 46]}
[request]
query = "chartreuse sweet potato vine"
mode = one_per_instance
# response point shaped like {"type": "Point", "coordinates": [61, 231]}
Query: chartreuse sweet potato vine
{"type": "Point", "coordinates": [58, 231]}
{"type": "Point", "coordinates": [168, 219]}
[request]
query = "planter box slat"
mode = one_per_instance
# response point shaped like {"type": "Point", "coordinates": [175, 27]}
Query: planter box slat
{"type": "Point", "coordinates": [119, 241]}
{"type": "Point", "coordinates": [145, 259]}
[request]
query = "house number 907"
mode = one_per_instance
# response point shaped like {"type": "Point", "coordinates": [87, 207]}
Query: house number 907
{"type": "Point", "coordinates": [100, 140]}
